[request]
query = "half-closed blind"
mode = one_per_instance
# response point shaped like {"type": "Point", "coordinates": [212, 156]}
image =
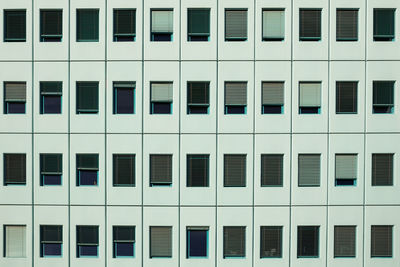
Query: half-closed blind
{"type": "Point", "coordinates": [161, 169]}
{"type": "Point", "coordinates": [272, 170]}
{"type": "Point", "coordinates": [15, 241]}
{"type": "Point", "coordinates": [124, 169]}
{"type": "Point", "coordinates": [346, 166]}
{"type": "Point", "coordinates": [15, 91]}
{"type": "Point", "coordinates": [51, 164]}
{"type": "Point", "coordinates": [198, 21]}
{"type": "Point", "coordinates": [51, 234]}
{"type": "Point", "coordinates": [235, 24]}
{"type": "Point", "coordinates": [15, 168]}
{"type": "Point", "coordinates": [384, 22]}
{"type": "Point", "coordinates": [87, 96]}
{"type": "Point", "coordinates": [234, 170]}
{"type": "Point", "coordinates": [162, 21]}
{"type": "Point", "coordinates": [310, 94]}
{"type": "Point", "coordinates": [198, 93]}
{"type": "Point", "coordinates": [309, 169]}
{"type": "Point", "coordinates": [124, 22]}
{"type": "Point", "coordinates": [382, 169]}
{"type": "Point", "coordinates": [383, 93]}
{"type": "Point", "coordinates": [310, 24]}
{"type": "Point", "coordinates": [272, 93]}
{"type": "Point", "coordinates": [236, 93]}
{"type": "Point", "coordinates": [87, 234]}
{"type": "Point", "coordinates": [87, 161]}
{"type": "Point", "coordinates": [160, 241]}
{"type": "Point", "coordinates": [345, 241]}
{"type": "Point", "coordinates": [161, 92]}
{"type": "Point", "coordinates": [234, 241]}
{"type": "Point", "coordinates": [87, 24]}
{"type": "Point", "coordinates": [346, 24]}
{"type": "Point", "coordinates": [271, 241]}
{"type": "Point", "coordinates": [51, 88]}
{"type": "Point", "coordinates": [346, 97]}
{"type": "Point", "coordinates": [197, 170]}
{"type": "Point", "coordinates": [273, 24]}
{"type": "Point", "coordinates": [51, 22]}
{"type": "Point", "coordinates": [124, 233]}
{"type": "Point", "coordinates": [381, 240]}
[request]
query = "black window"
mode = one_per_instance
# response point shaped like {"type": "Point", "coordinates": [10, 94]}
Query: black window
{"type": "Point", "coordinates": [15, 25]}
{"type": "Point", "coordinates": [123, 241]}
{"type": "Point", "coordinates": [87, 240]}
{"type": "Point", "coordinates": [271, 242]}
{"type": "Point", "coordinates": [272, 97]}
{"type": "Point", "coordinates": [87, 97]}
{"type": "Point", "coordinates": [51, 240]}
{"type": "Point", "coordinates": [384, 24]}
{"type": "Point", "coordinates": [50, 169]}
{"type": "Point", "coordinates": [382, 169]}
{"type": "Point", "coordinates": [87, 25]}
{"type": "Point", "coordinates": [272, 170]}
{"type": "Point", "coordinates": [235, 24]}
{"type": "Point", "coordinates": [160, 241]}
{"type": "Point", "coordinates": [14, 97]}
{"type": "Point", "coordinates": [346, 24]}
{"type": "Point", "coordinates": [234, 241]}
{"type": "Point", "coordinates": [197, 170]}
{"type": "Point", "coordinates": [310, 24]}
{"type": "Point", "coordinates": [124, 25]}
{"type": "Point", "coordinates": [307, 241]}
{"type": "Point", "coordinates": [345, 241]}
{"type": "Point", "coordinates": [160, 170]}
{"type": "Point", "coordinates": [87, 169]}
{"type": "Point", "coordinates": [198, 24]}
{"type": "Point", "coordinates": [234, 170]}
{"type": "Point", "coordinates": [383, 97]}
{"type": "Point", "coordinates": [381, 240]}
{"type": "Point", "coordinates": [50, 97]}
{"type": "Point", "coordinates": [162, 25]}
{"type": "Point", "coordinates": [198, 97]}
{"type": "Point", "coordinates": [346, 97]}
{"type": "Point", "coordinates": [197, 241]}
{"type": "Point", "coordinates": [123, 170]}
{"type": "Point", "coordinates": [14, 169]}
{"type": "Point", "coordinates": [50, 25]}
{"type": "Point", "coordinates": [235, 97]}
{"type": "Point", "coordinates": [124, 97]}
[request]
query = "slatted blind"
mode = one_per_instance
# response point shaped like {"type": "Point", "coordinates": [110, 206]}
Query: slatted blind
{"type": "Point", "coordinates": [15, 25]}
{"type": "Point", "coordinates": [87, 235]}
{"type": "Point", "coordinates": [51, 88]}
{"type": "Point", "coordinates": [161, 169]}
{"type": "Point", "coordinates": [198, 93]}
{"type": "Point", "coordinates": [235, 24]}
{"type": "Point", "coordinates": [15, 168]}
{"type": "Point", "coordinates": [160, 241]}
{"type": "Point", "coordinates": [51, 164]}
{"type": "Point", "coordinates": [124, 22]}
{"type": "Point", "coordinates": [162, 21]}
{"type": "Point", "coordinates": [124, 169]}
{"type": "Point", "coordinates": [307, 241]}
{"type": "Point", "coordinates": [346, 166]}
{"type": "Point", "coordinates": [345, 241]}
{"type": "Point", "coordinates": [272, 170]}
{"type": "Point", "coordinates": [346, 97]}
{"type": "Point", "coordinates": [87, 161]}
{"type": "Point", "coordinates": [51, 22]}
{"type": "Point", "coordinates": [87, 21]}
{"type": "Point", "coordinates": [161, 92]}
{"type": "Point", "coordinates": [197, 170]}
{"type": "Point", "coordinates": [310, 24]}
{"type": "Point", "coordinates": [236, 93]}
{"type": "Point", "coordinates": [381, 241]}
{"type": "Point", "coordinates": [199, 21]}
{"type": "Point", "coordinates": [234, 241]}
{"type": "Point", "coordinates": [310, 94]}
{"type": "Point", "coordinates": [272, 93]}
{"type": "Point", "coordinates": [309, 169]}
{"type": "Point", "coordinates": [384, 19]}
{"type": "Point", "coordinates": [234, 170]}
{"type": "Point", "coordinates": [271, 241]}
{"type": "Point", "coordinates": [124, 233]}
{"type": "Point", "coordinates": [126, 85]}
{"type": "Point", "coordinates": [346, 24]}
{"type": "Point", "coordinates": [382, 169]}
{"type": "Point", "coordinates": [273, 24]}
{"type": "Point", "coordinates": [51, 234]}
{"type": "Point", "coordinates": [383, 92]}
{"type": "Point", "coordinates": [15, 241]}
{"type": "Point", "coordinates": [87, 97]}
{"type": "Point", "coordinates": [15, 91]}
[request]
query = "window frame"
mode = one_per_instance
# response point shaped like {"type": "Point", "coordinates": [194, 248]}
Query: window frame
{"type": "Point", "coordinates": [43, 95]}
{"type": "Point", "coordinates": [386, 38]}
{"type": "Point", "coordinates": [262, 171]}
{"type": "Point", "coordinates": [6, 13]}
{"type": "Point", "coordinates": [5, 236]}
{"type": "Point", "coordinates": [44, 173]}
{"type": "Point", "coordinates": [303, 184]}
{"type": "Point", "coordinates": [80, 170]}
{"type": "Point", "coordinates": [273, 39]}
{"type": "Point", "coordinates": [312, 38]}
{"type": "Point", "coordinates": [79, 245]}
{"type": "Point", "coordinates": [243, 245]}
{"type": "Point", "coordinates": [130, 37]}
{"type": "Point", "coordinates": [343, 39]}
{"type": "Point", "coordinates": [240, 38]}
{"type": "Point", "coordinates": [96, 34]}
{"type": "Point", "coordinates": [158, 183]}
{"type": "Point", "coordinates": [264, 105]}
{"type": "Point", "coordinates": [189, 229]}
{"type": "Point", "coordinates": [375, 87]}
{"type": "Point", "coordinates": [310, 109]}
{"type": "Point", "coordinates": [335, 248]}
{"type": "Point", "coordinates": [155, 35]}
{"type": "Point", "coordinates": [201, 35]}
{"type": "Point", "coordinates": [5, 174]}
{"type": "Point", "coordinates": [116, 242]}
{"type": "Point", "coordinates": [132, 87]}
{"type": "Point", "coordinates": [339, 87]}
{"type": "Point", "coordinates": [238, 156]}
{"type": "Point", "coordinates": [373, 255]}
{"type": "Point", "coordinates": [86, 111]}
{"type": "Point", "coordinates": [280, 240]}
{"type": "Point", "coordinates": [316, 242]}
{"type": "Point", "coordinates": [188, 170]}
{"type": "Point", "coordinates": [43, 243]}
{"type": "Point", "coordinates": [8, 102]}
{"type": "Point", "coordinates": [50, 37]}
{"type": "Point", "coordinates": [154, 103]}
{"type": "Point", "coordinates": [354, 180]}
{"type": "Point", "coordinates": [373, 156]}
{"type": "Point", "coordinates": [235, 109]}
{"type": "Point", "coordinates": [170, 228]}
{"type": "Point", "coordinates": [189, 86]}
{"type": "Point", "coordinates": [133, 158]}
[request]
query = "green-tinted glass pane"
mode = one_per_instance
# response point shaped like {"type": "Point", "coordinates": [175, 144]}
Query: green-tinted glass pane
{"type": "Point", "coordinates": [87, 97]}
{"type": "Point", "coordinates": [383, 92]}
{"type": "Point", "coordinates": [199, 22]}
{"type": "Point", "coordinates": [14, 25]}
{"type": "Point", "coordinates": [384, 22]}
{"type": "Point", "coordinates": [87, 21]}
{"type": "Point", "coordinates": [124, 22]}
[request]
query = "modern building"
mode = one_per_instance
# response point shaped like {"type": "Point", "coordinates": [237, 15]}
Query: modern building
{"type": "Point", "coordinates": [240, 133]}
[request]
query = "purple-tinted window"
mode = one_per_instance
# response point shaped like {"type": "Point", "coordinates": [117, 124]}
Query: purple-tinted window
{"type": "Point", "coordinates": [124, 249]}
{"type": "Point", "coordinates": [51, 104]}
{"type": "Point", "coordinates": [124, 101]}
{"type": "Point", "coordinates": [161, 108]}
{"type": "Point", "coordinates": [87, 251]}
{"type": "Point", "coordinates": [197, 243]}
{"type": "Point", "coordinates": [87, 177]}
{"type": "Point", "coordinates": [15, 108]}
{"type": "Point", "coordinates": [50, 249]}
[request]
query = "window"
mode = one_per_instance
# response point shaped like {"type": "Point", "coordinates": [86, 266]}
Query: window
{"type": "Point", "coordinates": [14, 169]}
{"type": "Point", "coordinates": [124, 25]}
{"type": "Point", "coordinates": [15, 241]}
{"type": "Point", "coordinates": [51, 240]}
{"type": "Point", "coordinates": [382, 169]}
{"type": "Point", "coordinates": [309, 170]}
{"type": "Point", "coordinates": [234, 241]}
{"type": "Point", "coordinates": [198, 97]}
{"type": "Point", "coordinates": [15, 25]}
{"type": "Point", "coordinates": [235, 97]}
{"type": "Point", "coordinates": [198, 24]}
{"type": "Point", "coordinates": [273, 25]}
{"type": "Point", "coordinates": [383, 100]}
{"type": "Point", "coordinates": [271, 242]}
{"type": "Point", "coordinates": [307, 241]}
{"type": "Point", "coordinates": [381, 240]}
{"type": "Point", "coordinates": [197, 242]}
{"type": "Point", "coordinates": [235, 24]}
{"type": "Point", "coordinates": [197, 170]}
{"type": "Point", "coordinates": [50, 25]}
{"type": "Point", "coordinates": [345, 241]}
{"type": "Point", "coordinates": [272, 97]}
{"type": "Point", "coordinates": [160, 170]}
{"type": "Point", "coordinates": [87, 97]}
{"type": "Point", "coordinates": [160, 241]}
{"type": "Point", "coordinates": [14, 97]}
{"type": "Point", "coordinates": [310, 24]}
{"type": "Point", "coordinates": [87, 169]}
{"type": "Point", "coordinates": [87, 240]}
{"type": "Point", "coordinates": [234, 170]}
{"type": "Point", "coordinates": [162, 25]}
{"type": "Point", "coordinates": [345, 169]}
{"type": "Point", "coordinates": [87, 21]}
{"type": "Point", "coordinates": [123, 241]}
{"type": "Point", "coordinates": [310, 97]}
{"type": "Point", "coordinates": [346, 24]}
{"type": "Point", "coordinates": [50, 169]}
{"type": "Point", "coordinates": [161, 97]}
{"type": "Point", "coordinates": [272, 170]}
{"type": "Point", "coordinates": [50, 97]}
{"type": "Point", "coordinates": [384, 24]}
{"type": "Point", "coordinates": [346, 97]}
{"type": "Point", "coordinates": [123, 170]}
{"type": "Point", "coordinates": [124, 97]}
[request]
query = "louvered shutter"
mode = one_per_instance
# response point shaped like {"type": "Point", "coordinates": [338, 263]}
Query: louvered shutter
{"type": "Point", "coordinates": [310, 94]}
{"type": "Point", "coordinates": [15, 241]}
{"type": "Point", "coordinates": [161, 92]}
{"type": "Point", "coordinates": [271, 170]}
{"type": "Point", "coordinates": [234, 241]}
{"type": "Point", "coordinates": [87, 235]}
{"type": "Point", "coordinates": [384, 19]}
{"type": "Point", "coordinates": [272, 93]}
{"type": "Point", "coordinates": [15, 25]}
{"type": "Point", "coordinates": [381, 241]}
{"type": "Point", "coordinates": [51, 88]}
{"type": "Point", "coordinates": [51, 234]}
{"type": "Point", "coordinates": [346, 166]}
{"type": "Point", "coordinates": [382, 169]}
{"type": "Point", "coordinates": [160, 241]}
{"type": "Point", "coordinates": [197, 170]}
{"type": "Point", "coordinates": [236, 93]}
{"type": "Point", "coordinates": [87, 97]}
{"type": "Point", "coordinates": [198, 93]}
{"type": "Point", "coordinates": [345, 241]}
{"type": "Point", "coordinates": [346, 24]}
{"type": "Point", "coordinates": [235, 24]}
{"type": "Point", "coordinates": [346, 97]}
{"type": "Point", "coordinates": [87, 161]}
{"type": "Point", "coordinates": [124, 234]}
{"type": "Point", "coordinates": [383, 93]}
{"type": "Point", "coordinates": [124, 22]}
{"type": "Point", "coordinates": [198, 21]}
{"type": "Point", "coordinates": [271, 241]}
{"type": "Point", "coordinates": [15, 168]}
{"type": "Point", "coordinates": [161, 169]}
{"type": "Point", "coordinates": [234, 170]}
{"type": "Point", "coordinates": [87, 25]}
{"type": "Point", "coordinates": [162, 21]}
{"type": "Point", "coordinates": [15, 91]}
{"type": "Point", "coordinates": [50, 23]}
{"type": "Point", "coordinates": [51, 164]}
{"type": "Point", "coordinates": [309, 169]}
{"type": "Point", "coordinates": [310, 24]}
{"type": "Point", "coordinates": [124, 169]}
{"type": "Point", "coordinates": [273, 24]}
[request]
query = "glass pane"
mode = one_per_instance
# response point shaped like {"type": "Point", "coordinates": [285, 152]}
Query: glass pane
{"type": "Point", "coordinates": [124, 249]}
{"type": "Point", "coordinates": [124, 101]}
{"type": "Point", "coordinates": [161, 108]}
{"type": "Point", "coordinates": [51, 180]}
{"type": "Point", "coordinates": [87, 177]}
{"type": "Point", "coordinates": [197, 240]}
{"type": "Point", "coordinates": [52, 250]}
{"type": "Point", "coordinates": [51, 104]}
{"type": "Point", "coordinates": [15, 108]}
{"type": "Point", "coordinates": [88, 251]}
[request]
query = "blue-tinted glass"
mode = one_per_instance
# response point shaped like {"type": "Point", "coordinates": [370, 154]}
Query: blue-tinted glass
{"type": "Point", "coordinates": [51, 180]}
{"type": "Point", "coordinates": [124, 101]}
{"type": "Point", "coordinates": [51, 250]}
{"type": "Point", "coordinates": [197, 243]}
{"type": "Point", "coordinates": [161, 108]}
{"type": "Point", "coordinates": [87, 177]}
{"type": "Point", "coordinates": [124, 249]}
{"type": "Point", "coordinates": [345, 182]}
{"type": "Point", "coordinates": [267, 109]}
{"type": "Point", "coordinates": [195, 38]}
{"type": "Point", "coordinates": [235, 109]}
{"type": "Point", "coordinates": [51, 104]}
{"type": "Point", "coordinates": [88, 251]}
{"type": "Point", "coordinates": [309, 110]}
{"type": "Point", "coordinates": [15, 108]}
{"type": "Point", "coordinates": [161, 37]}
{"type": "Point", "coordinates": [198, 109]}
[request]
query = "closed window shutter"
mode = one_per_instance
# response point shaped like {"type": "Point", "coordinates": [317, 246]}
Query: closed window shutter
{"type": "Point", "coordinates": [51, 88]}
{"type": "Point", "coordinates": [198, 21]}
{"type": "Point", "coordinates": [51, 234]}
{"type": "Point", "coordinates": [271, 170]}
{"type": "Point", "coordinates": [161, 92]}
{"type": "Point", "coordinates": [234, 241]}
{"type": "Point", "coordinates": [384, 22]}
{"type": "Point", "coordinates": [310, 94]}
{"type": "Point", "coordinates": [15, 91]}
{"type": "Point", "coordinates": [87, 24]}
{"type": "Point", "coordinates": [87, 161]}
{"type": "Point", "coordinates": [273, 24]}
{"type": "Point", "coordinates": [51, 164]}
{"type": "Point", "coordinates": [382, 169]}
{"type": "Point", "coordinates": [383, 93]}
{"type": "Point", "coordinates": [124, 169]}
{"type": "Point", "coordinates": [271, 241]}
{"type": "Point", "coordinates": [346, 97]}
{"type": "Point", "coordinates": [346, 166]}
{"type": "Point", "coordinates": [15, 168]}
{"type": "Point", "coordinates": [346, 24]}
{"type": "Point", "coordinates": [272, 93]}
{"type": "Point", "coordinates": [381, 240]}
{"type": "Point", "coordinates": [309, 169]}
{"type": "Point", "coordinates": [236, 93]}
{"type": "Point", "coordinates": [124, 22]}
{"type": "Point", "coordinates": [15, 241]}
{"type": "Point", "coordinates": [88, 96]}
{"type": "Point", "coordinates": [234, 170]}
{"type": "Point", "coordinates": [50, 23]}
{"type": "Point", "coordinates": [345, 241]}
{"type": "Point", "coordinates": [197, 170]}
{"type": "Point", "coordinates": [198, 93]}
{"type": "Point", "coordinates": [235, 24]}
{"type": "Point", "coordinates": [124, 233]}
{"type": "Point", "coordinates": [310, 24]}
{"type": "Point", "coordinates": [87, 235]}
{"type": "Point", "coordinates": [160, 241]}
{"type": "Point", "coordinates": [15, 25]}
{"type": "Point", "coordinates": [162, 21]}
{"type": "Point", "coordinates": [161, 169]}
{"type": "Point", "coordinates": [307, 241]}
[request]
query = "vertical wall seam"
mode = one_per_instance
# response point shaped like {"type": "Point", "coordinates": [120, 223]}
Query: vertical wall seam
{"type": "Point", "coordinates": [253, 255]}
{"type": "Point", "coordinates": [216, 134]}
{"type": "Point", "coordinates": [105, 135]}
{"type": "Point", "coordinates": [69, 132]}
{"type": "Point", "coordinates": [33, 134]}
{"type": "Point", "coordinates": [142, 140]}
{"type": "Point", "coordinates": [179, 132]}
